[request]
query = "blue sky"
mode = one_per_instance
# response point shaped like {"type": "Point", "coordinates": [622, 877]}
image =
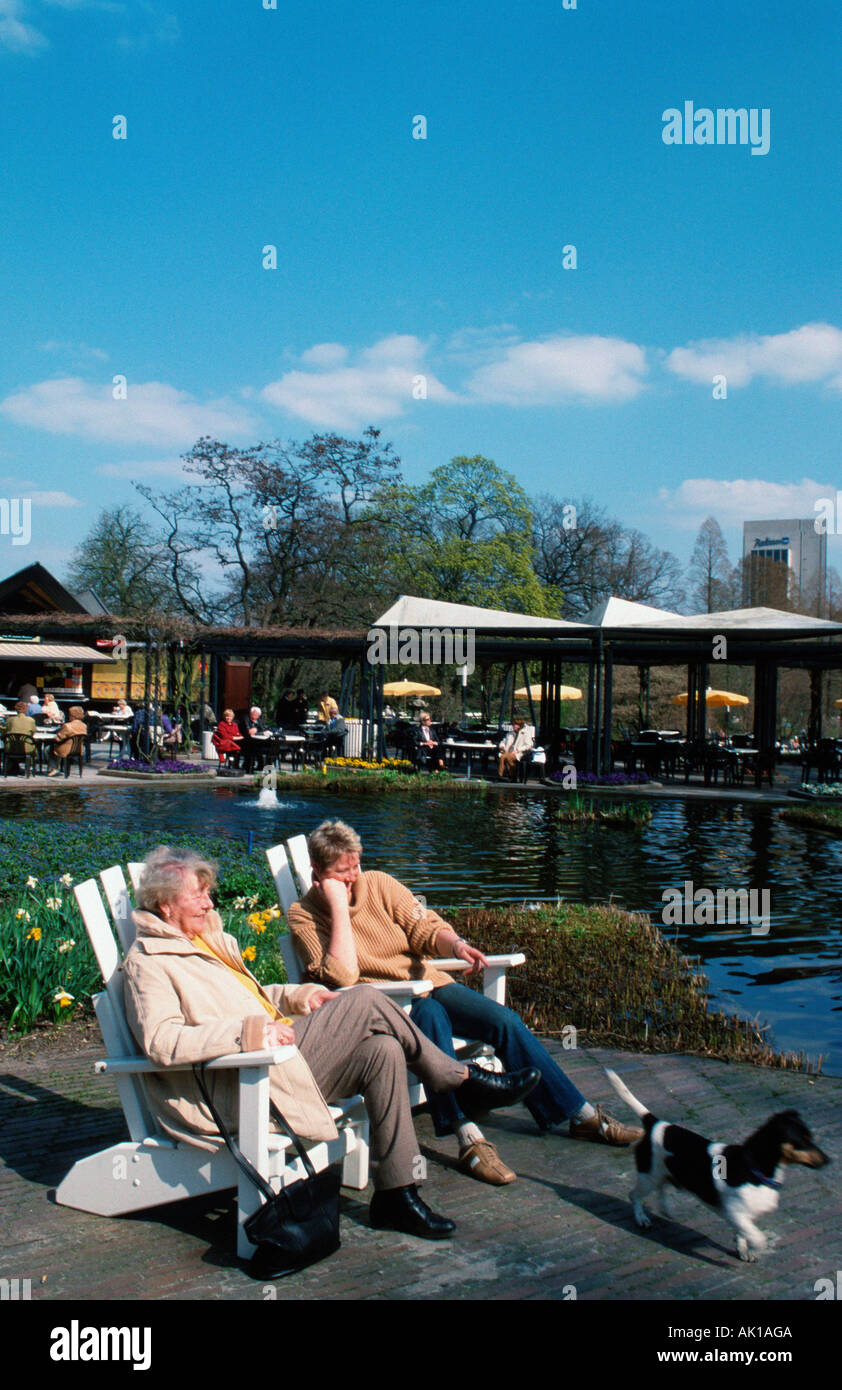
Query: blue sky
{"type": "Point", "coordinates": [440, 258]}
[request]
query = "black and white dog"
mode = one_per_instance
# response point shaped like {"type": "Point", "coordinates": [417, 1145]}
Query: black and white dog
{"type": "Point", "coordinates": [741, 1181]}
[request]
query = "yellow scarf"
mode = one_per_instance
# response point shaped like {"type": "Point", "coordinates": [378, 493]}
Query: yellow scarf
{"type": "Point", "coordinates": [244, 978]}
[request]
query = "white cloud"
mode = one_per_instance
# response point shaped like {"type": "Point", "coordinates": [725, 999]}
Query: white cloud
{"type": "Point", "coordinates": [325, 355]}
{"type": "Point", "coordinates": [810, 353]}
{"type": "Point", "coordinates": [740, 499]}
{"type": "Point", "coordinates": [152, 413]}
{"type": "Point", "coordinates": [479, 345]}
{"type": "Point", "coordinates": [53, 499]}
{"type": "Point", "coordinates": [77, 351]}
{"type": "Point", "coordinates": [550, 371]}
{"type": "Point", "coordinates": [15, 33]}
{"type": "Point", "coordinates": [378, 386]}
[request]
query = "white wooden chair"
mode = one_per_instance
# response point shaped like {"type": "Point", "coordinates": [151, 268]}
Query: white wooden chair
{"type": "Point", "coordinates": [290, 861]}
{"type": "Point", "coordinates": [151, 1169]}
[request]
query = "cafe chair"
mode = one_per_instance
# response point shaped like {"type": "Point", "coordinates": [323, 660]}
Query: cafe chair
{"type": "Point", "coordinates": [19, 749]}
{"type": "Point", "coordinates": [75, 753]}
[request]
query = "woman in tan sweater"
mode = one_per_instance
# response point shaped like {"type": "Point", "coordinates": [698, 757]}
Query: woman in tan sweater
{"type": "Point", "coordinates": [356, 927]}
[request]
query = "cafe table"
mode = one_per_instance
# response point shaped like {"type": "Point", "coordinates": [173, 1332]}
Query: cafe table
{"type": "Point", "coordinates": [44, 739]}
{"type": "Point", "coordinates": [465, 746]}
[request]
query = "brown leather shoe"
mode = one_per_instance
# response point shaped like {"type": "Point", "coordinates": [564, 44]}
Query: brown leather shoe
{"type": "Point", "coordinates": [482, 1161]}
{"type": "Point", "coordinates": [602, 1128]}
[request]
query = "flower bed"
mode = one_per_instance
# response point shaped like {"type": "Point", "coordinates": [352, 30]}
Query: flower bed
{"type": "Point", "coordinates": [607, 779]}
{"type": "Point", "coordinates": [825, 791]}
{"type": "Point", "coordinates": [371, 765]}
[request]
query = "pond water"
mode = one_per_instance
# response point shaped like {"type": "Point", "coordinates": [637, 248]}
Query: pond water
{"type": "Point", "coordinates": [509, 847]}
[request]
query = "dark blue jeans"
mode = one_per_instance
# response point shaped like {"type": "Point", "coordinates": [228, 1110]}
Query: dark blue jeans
{"type": "Point", "coordinates": [456, 1008]}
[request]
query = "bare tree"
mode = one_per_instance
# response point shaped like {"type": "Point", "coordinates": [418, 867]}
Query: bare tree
{"type": "Point", "coordinates": [712, 576]}
{"type": "Point", "coordinates": [596, 557]}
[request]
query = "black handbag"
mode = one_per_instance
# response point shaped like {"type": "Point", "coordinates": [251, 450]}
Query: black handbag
{"type": "Point", "coordinates": [295, 1227]}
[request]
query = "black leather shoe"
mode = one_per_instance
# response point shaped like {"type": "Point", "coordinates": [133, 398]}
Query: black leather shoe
{"type": "Point", "coordinates": [402, 1209]}
{"type": "Point", "coordinates": [492, 1090]}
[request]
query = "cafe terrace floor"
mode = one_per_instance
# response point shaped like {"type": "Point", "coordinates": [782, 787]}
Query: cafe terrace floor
{"type": "Point", "coordinates": [564, 1230]}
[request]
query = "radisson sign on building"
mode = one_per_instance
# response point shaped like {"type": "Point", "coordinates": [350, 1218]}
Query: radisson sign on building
{"type": "Point", "coordinates": [785, 560]}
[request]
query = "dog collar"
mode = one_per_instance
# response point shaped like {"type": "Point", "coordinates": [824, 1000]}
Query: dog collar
{"type": "Point", "coordinates": [767, 1182]}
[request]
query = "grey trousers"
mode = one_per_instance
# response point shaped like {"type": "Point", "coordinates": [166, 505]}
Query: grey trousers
{"type": "Point", "coordinates": [362, 1042]}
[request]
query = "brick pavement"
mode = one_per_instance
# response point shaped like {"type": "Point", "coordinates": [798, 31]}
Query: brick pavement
{"type": "Point", "coordinates": [564, 1229]}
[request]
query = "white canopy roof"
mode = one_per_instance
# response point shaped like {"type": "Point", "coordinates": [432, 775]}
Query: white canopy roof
{"type": "Point", "coordinates": [619, 612]}
{"type": "Point", "coordinates": [613, 613]}
{"type": "Point", "coordinates": [409, 611]}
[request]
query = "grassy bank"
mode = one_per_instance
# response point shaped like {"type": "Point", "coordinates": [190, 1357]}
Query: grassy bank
{"type": "Point", "coordinates": [350, 779]}
{"type": "Point", "coordinates": [819, 816]}
{"type": "Point", "coordinates": [613, 977]}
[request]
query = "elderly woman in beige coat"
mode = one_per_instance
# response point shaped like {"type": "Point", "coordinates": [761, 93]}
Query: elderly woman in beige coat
{"type": "Point", "coordinates": [189, 997]}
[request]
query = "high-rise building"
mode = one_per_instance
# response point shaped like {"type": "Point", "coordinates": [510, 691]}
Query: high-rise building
{"type": "Point", "coordinates": [785, 565]}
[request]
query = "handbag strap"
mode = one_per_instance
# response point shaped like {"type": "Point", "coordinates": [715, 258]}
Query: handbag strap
{"type": "Point", "coordinates": [234, 1148]}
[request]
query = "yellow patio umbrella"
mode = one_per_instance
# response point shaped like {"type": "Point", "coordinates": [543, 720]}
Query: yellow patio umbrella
{"type": "Point", "coordinates": [401, 688]}
{"type": "Point", "coordinates": [564, 692]}
{"type": "Point", "coordinates": [715, 697]}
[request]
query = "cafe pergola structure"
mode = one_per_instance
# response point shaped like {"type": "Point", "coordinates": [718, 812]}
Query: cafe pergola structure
{"type": "Point", "coordinates": [622, 633]}
{"type": "Point", "coordinates": [617, 633]}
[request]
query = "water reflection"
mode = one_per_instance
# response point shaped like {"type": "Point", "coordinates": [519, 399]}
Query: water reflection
{"type": "Point", "coordinates": [492, 847]}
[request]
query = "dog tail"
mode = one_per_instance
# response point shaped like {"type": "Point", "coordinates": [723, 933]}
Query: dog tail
{"type": "Point", "coordinates": [623, 1091]}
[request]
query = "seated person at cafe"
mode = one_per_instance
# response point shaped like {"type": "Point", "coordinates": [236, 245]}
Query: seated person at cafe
{"type": "Point", "coordinates": [227, 739]}
{"type": "Point", "coordinates": [353, 927]}
{"type": "Point", "coordinates": [328, 708]}
{"type": "Point", "coordinates": [75, 727]}
{"type": "Point", "coordinates": [513, 747]}
{"type": "Point", "coordinates": [122, 710]}
{"type": "Point", "coordinates": [427, 746]}
{"type": "Point", "coordinates": [253, 731]}
{"type": "Point", "coordinates": [301, 708]}
{"type": "Point", "coordinates": [22, 724]}
{"type": "Point", "coordinates": [335, 740]}
{"type": "Point", "coordinates": [51, 712]}
{"type": "Point", "coordinates": [33, 707]}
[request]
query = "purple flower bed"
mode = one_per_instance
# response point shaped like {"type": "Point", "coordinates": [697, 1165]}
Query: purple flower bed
{"type": "Point", "coordinates": [609, 779]}
{"type": "Point", "coordinates": [137, 765]}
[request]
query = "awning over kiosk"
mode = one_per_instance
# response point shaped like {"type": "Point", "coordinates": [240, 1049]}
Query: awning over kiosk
{"type": "Point", "coordinates": [68, 652]}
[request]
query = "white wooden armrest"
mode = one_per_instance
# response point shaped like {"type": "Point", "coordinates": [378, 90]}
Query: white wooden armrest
{"type": "Point", "coordinates": [493, 974]}
{"type": "Point", "coordinates": [414, 987]}
{"type": "Point", "coordinates": [269, 1057]}
{"type": "Point", "coordinates": [453, 963]}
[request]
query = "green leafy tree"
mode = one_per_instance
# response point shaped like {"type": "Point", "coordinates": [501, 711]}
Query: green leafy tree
{"type": "Point", "coordinates": [465, 537]}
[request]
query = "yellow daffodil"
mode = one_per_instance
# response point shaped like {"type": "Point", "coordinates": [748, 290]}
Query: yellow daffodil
{"type": "Point", "coordinates": [249, 953]}
{"type": "Point", "coordinates": [63, 999]}
{"type": "Point", "coordinates": [34, 934]}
